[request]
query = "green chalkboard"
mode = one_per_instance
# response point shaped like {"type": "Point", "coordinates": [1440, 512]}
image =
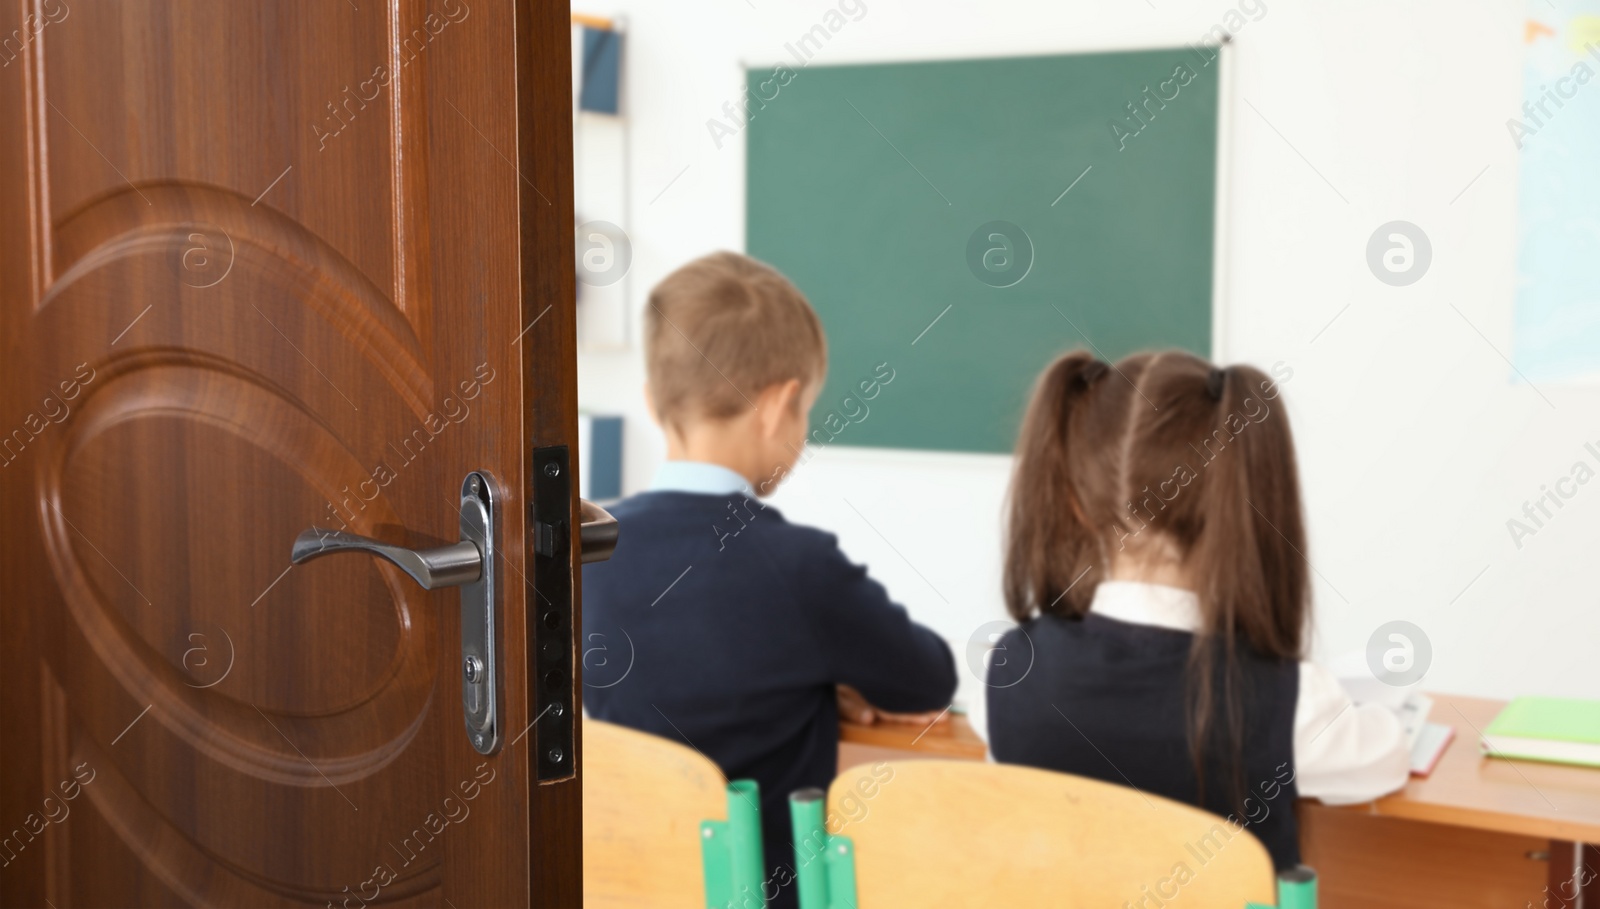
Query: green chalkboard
{"type": "Point", "coordinates": [871, 188]}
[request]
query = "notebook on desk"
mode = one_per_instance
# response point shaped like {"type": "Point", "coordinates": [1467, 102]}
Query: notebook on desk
{"type": "Point", "coordinates": [1426, 740]}
{"type": "Point", "coordinates": [1562, 730]}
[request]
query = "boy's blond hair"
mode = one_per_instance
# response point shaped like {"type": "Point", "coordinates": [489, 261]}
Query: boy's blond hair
{"type": "Point", "coordinates": [722, 329]}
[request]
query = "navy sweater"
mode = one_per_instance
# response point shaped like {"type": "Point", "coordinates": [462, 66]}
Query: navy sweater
{"type": "Point", "coordinates": [718, 624]}
{"type": "Point", "coordinates": [1106, 699]}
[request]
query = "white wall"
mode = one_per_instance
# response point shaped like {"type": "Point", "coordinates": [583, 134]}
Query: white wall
{"type": "Point", "coordinates": [1415, 447]}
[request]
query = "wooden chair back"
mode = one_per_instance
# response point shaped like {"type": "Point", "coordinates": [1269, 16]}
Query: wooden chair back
{"type": "Point", "coordinates": [959, 833]}
{"type": "Point", "coordinates": [643, 800]}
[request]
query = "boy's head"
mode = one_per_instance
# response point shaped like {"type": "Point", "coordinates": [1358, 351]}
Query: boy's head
{"type": "Point", "coordinates": [734, 357]}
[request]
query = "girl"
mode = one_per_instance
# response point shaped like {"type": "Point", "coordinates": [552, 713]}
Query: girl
{"type": "Point", "coordinates": [1156, 561]}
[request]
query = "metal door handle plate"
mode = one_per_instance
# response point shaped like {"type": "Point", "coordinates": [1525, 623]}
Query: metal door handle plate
{"type": "Point", "coordinates": [469, 565]}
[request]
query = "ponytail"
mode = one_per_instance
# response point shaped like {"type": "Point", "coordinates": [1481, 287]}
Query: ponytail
{"type": "Point", "coordinates": [1249, 561]}
{"type": "Point", "coordinates": [1249, 572]}
{"type": "Point", "coordinates": [1050, 543]}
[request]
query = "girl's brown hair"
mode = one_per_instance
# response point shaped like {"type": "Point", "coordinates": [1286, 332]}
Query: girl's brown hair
{"type": "Point", "coordinates": [1167, 458]}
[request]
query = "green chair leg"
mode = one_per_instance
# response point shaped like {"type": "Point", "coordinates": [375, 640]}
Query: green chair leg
{"type": "Point", "coordinates": [1297, 889]}
{"type": "Point", "coordinates": [730, 852]}
{"type": "Point", "coordinates": [825, 865]}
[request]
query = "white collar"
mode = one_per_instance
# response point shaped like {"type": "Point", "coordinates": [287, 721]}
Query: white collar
{"type": "Point", "coordinates": [699, 477]}
{"type": "Point", "coordinates": [1148, 604]}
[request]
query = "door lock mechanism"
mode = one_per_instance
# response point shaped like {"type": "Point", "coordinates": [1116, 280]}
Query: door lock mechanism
{"type": "Point", "coordinates": [469, 565]}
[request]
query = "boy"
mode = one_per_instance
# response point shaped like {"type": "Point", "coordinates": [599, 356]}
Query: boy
{"type": "Point", "coordinates": [717, 623]}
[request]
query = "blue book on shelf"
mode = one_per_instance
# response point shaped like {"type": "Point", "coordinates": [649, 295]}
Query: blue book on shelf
{"type": "Point", "coordinates": [600, 447]}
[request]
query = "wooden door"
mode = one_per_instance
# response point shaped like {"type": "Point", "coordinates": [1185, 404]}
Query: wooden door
{"type": "Point", "coordinates": [265, 266]}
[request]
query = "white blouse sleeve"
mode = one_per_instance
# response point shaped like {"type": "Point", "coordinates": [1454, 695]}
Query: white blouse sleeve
{"type": "Point", "coordinates": [1343, 752]}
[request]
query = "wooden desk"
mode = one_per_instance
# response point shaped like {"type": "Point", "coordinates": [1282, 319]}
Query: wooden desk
{"type": "Point", "coordinates": [1478, 832]}
{"type": "Point", "coordinates": [951, 738]}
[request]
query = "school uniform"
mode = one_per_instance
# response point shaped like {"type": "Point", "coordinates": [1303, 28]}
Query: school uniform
{"type": "Point", "coordinates": [1104, 696]}
{"type": "Point", "coordinates": [718, 624]}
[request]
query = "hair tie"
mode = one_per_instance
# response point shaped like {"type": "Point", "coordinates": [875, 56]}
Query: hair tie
{"type": "Point", "coordinates": [1214, 383]}
{"type": "Point", "coordinates": [1093, 372]}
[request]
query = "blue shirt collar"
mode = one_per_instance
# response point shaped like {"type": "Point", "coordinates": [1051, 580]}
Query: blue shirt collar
{"type": "Point", "coordinates": [699, 477]}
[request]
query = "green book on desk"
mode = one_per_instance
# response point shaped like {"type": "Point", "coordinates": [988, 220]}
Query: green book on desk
{"type": "Point", "coordinates": [1564, 730]}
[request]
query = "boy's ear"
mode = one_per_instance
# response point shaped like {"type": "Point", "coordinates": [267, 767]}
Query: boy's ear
{"type": "Point", "coordinates": [778, 401]}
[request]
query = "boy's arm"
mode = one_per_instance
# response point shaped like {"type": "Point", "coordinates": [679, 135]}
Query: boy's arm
{"type": "Point", "coordinates": [869, 641]}
{"type": "Point", "coordinates": [853, 708]}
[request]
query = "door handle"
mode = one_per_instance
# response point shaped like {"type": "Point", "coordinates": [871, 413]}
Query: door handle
{"type": "Point", "coordinates": [597, 534]}
{"type": "Point", "coordinates": [468, 565]}
{"type": "Point", "coordinates": [446, 566]}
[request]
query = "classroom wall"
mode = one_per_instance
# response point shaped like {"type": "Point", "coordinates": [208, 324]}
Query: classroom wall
{"type": "Point", "coordinates": [1416, 447]}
